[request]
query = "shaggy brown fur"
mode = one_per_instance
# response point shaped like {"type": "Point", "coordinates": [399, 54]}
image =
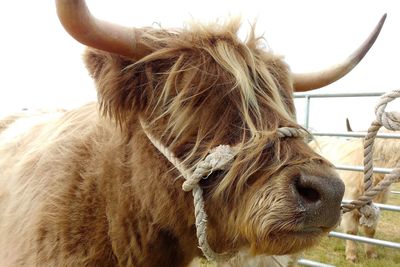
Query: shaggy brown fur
{"type": "Point", "coordinates": [89, 189]}
{"type": "Point", "coordinates": [350, 152]}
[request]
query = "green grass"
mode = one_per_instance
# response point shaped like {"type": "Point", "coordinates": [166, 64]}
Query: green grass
{"type": "Point", "coordinates": [331, 250]}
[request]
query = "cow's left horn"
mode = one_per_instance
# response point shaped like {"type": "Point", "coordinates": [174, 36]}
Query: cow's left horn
{"type": "Point", "coordinates": [80, 24]}
{"type": "Point", "coordinates": [309, 81]}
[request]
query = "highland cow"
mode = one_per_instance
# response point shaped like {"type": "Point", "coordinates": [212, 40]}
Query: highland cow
{"type": "Point", "coordinates": [88, 188]}
{"type": "Point", "coordinates": [351, 152]}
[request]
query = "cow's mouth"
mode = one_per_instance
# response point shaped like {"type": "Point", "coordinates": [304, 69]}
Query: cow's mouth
{"type": "Point", "coordinates": [311, 230]}
{"type": "Point", "coordinates": [289, 242]}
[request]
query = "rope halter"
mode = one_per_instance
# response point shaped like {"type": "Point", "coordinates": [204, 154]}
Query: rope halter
{"type": "Point", "coordinates": [218, 158]}
{"type": "Point", "coordinates": [391, 121]}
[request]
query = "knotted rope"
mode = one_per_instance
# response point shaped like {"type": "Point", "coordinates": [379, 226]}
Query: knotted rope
{"type": "Point", "coordinates": [391, 121]}
{"type": "Point", "coordinates": [219, 158]}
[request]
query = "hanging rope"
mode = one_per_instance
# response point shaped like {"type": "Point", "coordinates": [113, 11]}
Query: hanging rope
{"type": "Point", "coordinates": [218, 158]}
{"type": "Point", "coordinates": [391, 121]}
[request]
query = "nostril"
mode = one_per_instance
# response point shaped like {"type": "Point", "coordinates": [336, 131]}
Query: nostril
{"type": "Point", "coordinates": [306, 191]}
{"type": "Point", "coordinates": [308, 194]}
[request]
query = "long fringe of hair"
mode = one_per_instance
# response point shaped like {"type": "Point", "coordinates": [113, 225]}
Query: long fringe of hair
{"type": "Point", "coordinates": [201, 87]}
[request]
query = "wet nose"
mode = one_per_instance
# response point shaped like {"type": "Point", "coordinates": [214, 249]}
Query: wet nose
{"type": "Point", "coordinates": [320, 197]}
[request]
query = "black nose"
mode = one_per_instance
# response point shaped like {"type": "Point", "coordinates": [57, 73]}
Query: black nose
{"type": "Point", "coordinates": [320, 197]}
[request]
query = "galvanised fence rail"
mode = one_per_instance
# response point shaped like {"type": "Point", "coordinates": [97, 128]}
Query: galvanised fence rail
{"type": "Point", "coordinates": [308, 98]}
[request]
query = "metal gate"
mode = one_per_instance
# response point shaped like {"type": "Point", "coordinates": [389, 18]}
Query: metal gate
{"type": "Point", "coordinates": [308, 101]}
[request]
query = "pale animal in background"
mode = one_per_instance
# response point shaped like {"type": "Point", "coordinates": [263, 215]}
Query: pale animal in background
{"type": "Point", "coordinates": [350, 152]}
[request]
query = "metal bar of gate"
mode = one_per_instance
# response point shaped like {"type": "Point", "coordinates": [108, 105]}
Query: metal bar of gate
{"type": "Point", "coordinates": [308, 97]}
{"type": "Point", "coordinates": [303, 95]}
{"type": "Point", "coordinates": [379, 205]}
{"type": "Point", "coordinates": [311, 263]}
{"type": "Point", "coordinates": [364, 239]}
{"type": "Point", "coordinates": [361, 168]}
{"type": "Point", "coordinates": [307, 118]}
{"type": "Point", "coordinates": [356, 134]}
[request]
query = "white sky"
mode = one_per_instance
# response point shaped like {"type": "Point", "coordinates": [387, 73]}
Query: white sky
{"type": "Point", "coordinates": [41, 66]}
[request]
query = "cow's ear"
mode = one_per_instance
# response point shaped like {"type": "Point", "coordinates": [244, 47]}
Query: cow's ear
{"type": "Point", "coordinates": [94, 61]}
{"type": "Point", "coordinates": [102, 64]}
{"type": "Point", "coordinates": [117, 85]}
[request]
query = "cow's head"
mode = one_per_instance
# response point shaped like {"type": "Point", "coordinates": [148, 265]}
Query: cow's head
{"type": "Point", "coordinates": [200, 87]}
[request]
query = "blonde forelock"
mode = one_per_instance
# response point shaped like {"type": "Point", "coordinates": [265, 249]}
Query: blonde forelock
{"type": "Point", "coordinates": [204, 86]}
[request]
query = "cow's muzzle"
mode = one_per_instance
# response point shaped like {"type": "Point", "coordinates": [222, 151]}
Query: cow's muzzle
{"type": "Point", "coordinates": [320, 199]}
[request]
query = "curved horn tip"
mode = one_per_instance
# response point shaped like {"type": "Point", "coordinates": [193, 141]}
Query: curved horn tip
{"type": "Point", "coordinates": [383, 18]}
{"type": "Point", "coordinates": [309, 81]}
{"type": "Point", "coordinates": [348, 126]}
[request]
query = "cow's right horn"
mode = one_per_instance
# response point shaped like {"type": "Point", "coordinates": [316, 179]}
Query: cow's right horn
{"type": "Point", "coordinates": [80, 24]}
{"type": "Point", "coordinates": [309, 81]}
